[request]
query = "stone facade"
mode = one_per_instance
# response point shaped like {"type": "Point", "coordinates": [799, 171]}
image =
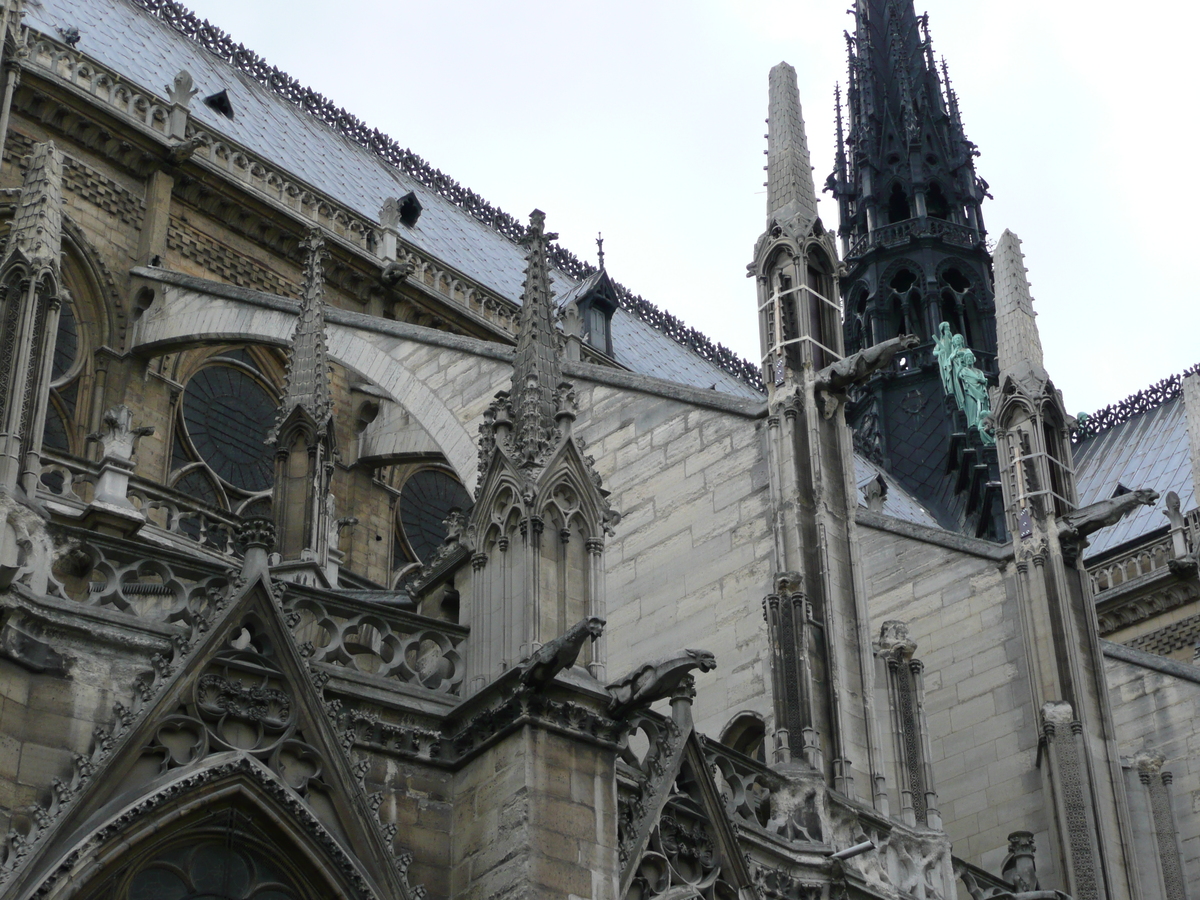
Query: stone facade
{"type": "Point", "coordinates": [357, 539]}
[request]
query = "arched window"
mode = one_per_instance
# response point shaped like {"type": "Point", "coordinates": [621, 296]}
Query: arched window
{"type": "Point", "coordinates": [210, 870]}
{"type": "Point", "coordinates": [898, 208]}
{"type": "Point", "coordinates": [905, 307]}
{"type": "Point", "coordinates": [77, 334]}
{"type": "Point", "coordinates": [426, 500]}
{"type": "Point", "coordinates": [746, 734]}
{"type": "Point", "coordinates": [220, 454]}
{"type": "Point", "coordinates": [936, 204]}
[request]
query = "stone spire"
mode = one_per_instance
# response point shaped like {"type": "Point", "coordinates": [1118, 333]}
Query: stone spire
{"type": "Point", "coordinates": [1018, 345]}
{"type": "Point", "coordinates": [790, 194]}
{"type": "Point", "coordinates": [307, 386]}
{"type": "Point", "coordinates": [36, 235]}
{"type": "Point", "coordinates": [29, 309]}
{"type": "Point", "coordinates": [537, 365]}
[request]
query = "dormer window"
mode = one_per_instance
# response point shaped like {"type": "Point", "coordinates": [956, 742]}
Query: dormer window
{"type": "Point", "coordinates": [221, 103]}
{"type": "Point", "coordinates": [596, 300]}
{"type": "Point", "coordinates": [597, 323]}
{"type": "Point", "coordinates": [409, 209]}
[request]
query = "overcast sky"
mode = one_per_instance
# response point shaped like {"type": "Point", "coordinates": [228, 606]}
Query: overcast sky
{"type": "Point", "coordinates": [644, 120]}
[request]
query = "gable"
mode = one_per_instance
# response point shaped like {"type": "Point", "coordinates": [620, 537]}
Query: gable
{"type": "Point", "coordinates": [232, 725]}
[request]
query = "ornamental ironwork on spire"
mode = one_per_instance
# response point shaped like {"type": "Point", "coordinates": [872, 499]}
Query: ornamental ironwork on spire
{"type": "Point", "coordinates": [537, 365]}
{"type": "Point", "coordinates": [35, 239]}
{"type": "Point", "coordinates": [307, 385]}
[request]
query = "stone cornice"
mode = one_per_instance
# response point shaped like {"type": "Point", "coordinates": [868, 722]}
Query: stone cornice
{"type": "Point", "coordinates": [1150, 661]}
{"type": "Point", "coordinates": [998, 553]}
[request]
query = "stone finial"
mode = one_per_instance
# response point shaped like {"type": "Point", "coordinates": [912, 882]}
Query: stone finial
{"type": "Point", "coordinates": [1056, 714]}
{"type": "Point", "coordinates": [256, 535]}
{"type": "Point", "coordinates": [117, 437]}
{"type": "Point", "coordinates": [1018, 345]}
{"type": "Point", "coordinates": [307, 385]}
{"type": "Point", "coordinates": [181, 91]}
{"type": "Point", "coordinates": [894, 639]}
{"type": "Point", "coordinates": [791, 196]}
{"type": "Point", "coordinates": [111, 511]}
{"type": "Point", "coordinates": [1019, 868]}
{"type": "Point", "coordinates": [35, 238]}
{"type": "Point", "coordinates": [537, 364]}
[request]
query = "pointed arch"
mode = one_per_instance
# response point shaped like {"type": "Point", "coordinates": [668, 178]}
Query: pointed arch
{"type": "Point", "coordinates": [232, 799]}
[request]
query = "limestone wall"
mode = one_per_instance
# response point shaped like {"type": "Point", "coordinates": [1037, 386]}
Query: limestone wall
{"type": "Point", "coordinates": [1156, 707]}
{"type": "Point", "coordinates": [983, 728]}
{"type": "Point", "coordinates": [690, 562]}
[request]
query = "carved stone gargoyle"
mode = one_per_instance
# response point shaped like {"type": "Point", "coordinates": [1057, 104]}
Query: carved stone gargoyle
{"type": "Point", "coordinates": [539, 669]}
{"type": "Point", "coordinates": [656, 680]}
{"type": "Point", "coordinates": [831, 382]}
{"type": "Point", "coordinates": [1074, 527]}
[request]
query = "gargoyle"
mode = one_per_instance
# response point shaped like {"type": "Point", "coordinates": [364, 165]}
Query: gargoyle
{"type": "Point", "coordinates": [560, 654]}
{"type": "Point", "coordinates": [395, 272]}
{"type": "Point", "coordinates": [655, 680]}
{"type": "Point", "coordinates": [832, 381]}
{"type": "Point", "coordinates": [1078, 525]}
{"type": "Point", "coordinates": [184, 150]}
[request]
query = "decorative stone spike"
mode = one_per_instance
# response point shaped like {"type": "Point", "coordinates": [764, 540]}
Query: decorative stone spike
{"type": "Point", "coordinates": [790, 194]}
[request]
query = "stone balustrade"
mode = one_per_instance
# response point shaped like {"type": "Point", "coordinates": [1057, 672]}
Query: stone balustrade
{"type": "Point", "coordinates": [909, 229]}
{"type": "Point", "coordinates": [380, 642]}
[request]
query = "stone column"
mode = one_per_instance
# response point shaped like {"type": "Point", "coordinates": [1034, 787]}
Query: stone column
{"type": "Point", "coordinates": [535, 812]}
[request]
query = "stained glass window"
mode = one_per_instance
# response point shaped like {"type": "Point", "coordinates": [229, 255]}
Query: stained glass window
{"type": "Point", "coordinates": [66, 343]}
{"type": "Point", "coordinates": [425, 501]}
{"type": "Point", "coordinates": [196, 484]}
{"type": "Point", "coordinates": [55, 435]}
{"type": "Point", "coordinates": [210, 870]}
{"type": "Point", "coordinates": [228, 415]}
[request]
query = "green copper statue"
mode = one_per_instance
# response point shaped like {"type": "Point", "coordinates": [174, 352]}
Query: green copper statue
{"type": "Point", "coordinates": [962, 379]}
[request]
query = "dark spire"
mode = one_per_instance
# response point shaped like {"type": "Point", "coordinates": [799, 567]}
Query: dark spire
{"type": "Point", "coordinates": [913, 241]}
{"type": "Point", "coordinates": [537, 366]}
{"type": "Point", "coordinates": [307, 386]}
{"type": "Point", "coordinates": [600, 248]}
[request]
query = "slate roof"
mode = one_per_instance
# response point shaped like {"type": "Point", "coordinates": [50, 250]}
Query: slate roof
{"type": "Point", "coordinates": [149, 53]}
{"type": "Point", "coordinates": [898, 503]}
{"type": "Point", "coordinates": [1149, 450]}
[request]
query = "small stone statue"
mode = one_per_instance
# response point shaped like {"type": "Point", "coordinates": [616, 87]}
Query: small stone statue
{"type": "Point", "coordinates": [560, 654]}
{"type": "Point", "coordinates": [656, 680]}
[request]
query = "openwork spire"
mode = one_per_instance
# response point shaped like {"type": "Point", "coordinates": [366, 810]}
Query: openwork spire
{"type": "Point", "coordinates": [36, 235]}
{"type": "Point", "coordinates": [1018, 345]}
{"type": "Point", "coordinates": [307, 386]}
{"type": "Point", "coordinates": [537, 365]}
{"type": "Point", "coordinates": [790, 194]}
